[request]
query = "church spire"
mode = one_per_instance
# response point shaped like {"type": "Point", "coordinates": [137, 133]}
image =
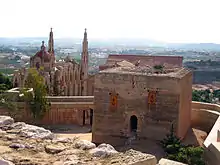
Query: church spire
{"type": "Point", "coordinates": [84, 57]}
{"type": "Point", "coordinates": [51, 42]}
{"type": "Point", "coordinates": [85, 35]}
{"type": "Point", "coordinates": [84, 64]}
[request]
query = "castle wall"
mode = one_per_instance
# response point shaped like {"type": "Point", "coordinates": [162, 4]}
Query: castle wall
{"type": "Point", "coordinates": [59, 113]}
{"type": "Point", "coordinates": [185, 105]}
{"type": "Point", "coordinates": [154, 121]}
{"type": "Point", "coordinates": [204, 115]}
{"type": "Point", "coordinates": [91, 83]}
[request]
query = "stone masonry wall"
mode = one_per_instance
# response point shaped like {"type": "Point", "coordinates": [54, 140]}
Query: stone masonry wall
{"type": "Point", "coordinates": [154, 121]}
{"type": "Point", "coordinates": [185, 105]}
{"type": "Point", "coordinates": [58, 114]}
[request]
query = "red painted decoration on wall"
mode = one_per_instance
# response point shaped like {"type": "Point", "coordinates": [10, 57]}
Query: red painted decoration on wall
{"type": "Point", "coordinates": [152, 97]}
{"type": "Point", "coordinates": [113, 100]}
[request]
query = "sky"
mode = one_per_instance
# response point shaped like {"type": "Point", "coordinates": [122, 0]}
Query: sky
{"type": "Point", "coordinates": [162, 20]}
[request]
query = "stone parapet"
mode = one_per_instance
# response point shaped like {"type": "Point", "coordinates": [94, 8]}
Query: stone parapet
{"type": "Point", "coordinates": [206, 116]}
{"type": "Point", "coordinates": [70, 98]}
{"type": "Point", "coordinates": [63, 110]}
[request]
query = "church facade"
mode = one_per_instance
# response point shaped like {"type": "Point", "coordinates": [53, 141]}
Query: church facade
{"type": "Point", "coordinates": [66, 78]}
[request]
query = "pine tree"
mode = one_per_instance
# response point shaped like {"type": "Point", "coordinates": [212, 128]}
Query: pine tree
{"type": "Point", "coordinates": [171, 143]}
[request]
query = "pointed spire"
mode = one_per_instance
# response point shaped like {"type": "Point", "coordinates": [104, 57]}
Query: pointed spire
{"type": "Point", "coordinates": [51, 42]}
{"type": "Point", "coordinates": [85, 35]}
{"type": "Point", "coordinates": [42, 46]}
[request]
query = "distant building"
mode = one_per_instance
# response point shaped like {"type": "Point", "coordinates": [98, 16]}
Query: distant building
{"type": "Point", "coordinates": [62, 78]}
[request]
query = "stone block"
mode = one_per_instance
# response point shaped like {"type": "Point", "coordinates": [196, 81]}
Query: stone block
{"type": "Point", "coordinates": [169, 162]}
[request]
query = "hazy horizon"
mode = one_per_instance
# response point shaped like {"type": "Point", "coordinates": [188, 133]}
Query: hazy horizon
{"type": "Point", "coordinates": [170, 21]}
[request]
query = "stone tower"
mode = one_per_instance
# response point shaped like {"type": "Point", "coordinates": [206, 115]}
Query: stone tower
{"type": "Point", "coordinates": [84, 65]}
{"type": "Point", "coordinates": [51, 47]}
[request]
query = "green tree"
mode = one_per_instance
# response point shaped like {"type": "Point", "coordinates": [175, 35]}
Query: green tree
{"type": "Point", "coordinates": [171, 144]}
{"type": "Point", "coordinates": [5, 82]}
{"type": "Point", "coordinates": [176, 151]}
{"type": "Point", "coordinates": [7, 103]}
{"type": "Point", "coordinates": [37, 100]}
{"type": "Point", "coordinates": [3, 88]}
{"type": "Point", "coordinates": [202, 96]}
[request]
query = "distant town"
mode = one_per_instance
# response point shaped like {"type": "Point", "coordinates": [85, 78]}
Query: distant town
{"type": "Point", "coordinates": [203, 59]}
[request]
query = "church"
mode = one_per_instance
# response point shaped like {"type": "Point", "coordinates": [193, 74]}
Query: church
{"type": "Point", "coordinates": [65, 78]}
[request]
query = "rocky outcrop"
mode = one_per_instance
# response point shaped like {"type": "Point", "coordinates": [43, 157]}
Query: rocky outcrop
{"type": "Point", "coordinates": [21, 143]}
{"type": "Point", "coordinates": [85, 145]}
{"type": "Point", "coordinates": [25, 130]}
{"type": "Point", "coordinates": [103, 150]}
{"type": "Point", "coordinates": [6, 120]}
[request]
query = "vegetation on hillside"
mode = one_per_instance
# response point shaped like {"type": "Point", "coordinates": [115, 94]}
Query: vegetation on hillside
{"type": "Point", "coordinates": [7, 71]}
{"type": "Point", "coordinates": [5, 100]}
{"type": "Point", "coordinates": [5, 83]}
{"type": "Point", "coordinates": [37, 100]}
{"type": "Point", "coordinates": [206, 96]}
{"type": "Point", "coordinates": [177, 151]}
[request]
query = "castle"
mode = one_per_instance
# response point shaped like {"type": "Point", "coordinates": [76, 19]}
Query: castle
{"type": "Point", "coordinates": [141, 99]}
{"type": "Point", "coordinates": [137, 93]}
{"type": "Point", "coordinates": [131, 95]}
{"type": "Point", "coordinates": [66, 78]}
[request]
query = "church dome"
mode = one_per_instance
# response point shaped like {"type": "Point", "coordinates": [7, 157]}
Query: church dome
{"type": "Point", "coordinates": [43, 53]}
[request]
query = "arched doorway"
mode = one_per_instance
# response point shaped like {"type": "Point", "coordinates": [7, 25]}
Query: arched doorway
{"type": "Point", "coordinates": [133, 123]}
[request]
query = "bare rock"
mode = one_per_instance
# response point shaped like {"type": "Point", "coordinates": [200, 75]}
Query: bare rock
{"type": "Point", "coordinates": [2, 133]}
{"type": "Point", "coordinates": [103, 150]}
{"type": "Point", "coordinates": [84, 144]}
{"type": "Point", "coordinates": [16, 145]}
{"type": "Point", "coordinates": [74, 162]}
{"type": "Point", "coordinates": [13, 131]}
{"type": "Point", "coordinates": [31, 131]}
{"type": "Point", "coordinates": [70, 152]}
{"type": "Point", "coordinates": [169, 162]}
{"type": "Point", "coordinates": [5, 162]}
{"type": "Point", "coordinates": [136, 157]}
{"type": "Point", "coordinates": [17, 125]}
{"type": "Point", "coordinates": [6, 120]}
{"type": "Point", "coordinates": [54, 149]}
{"type": "Point", "coordinates": [5, 149]}
{"type": "Point", "coordinates": [10, 137]}
{"type": "Point", "coordinates": [61, 140]}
